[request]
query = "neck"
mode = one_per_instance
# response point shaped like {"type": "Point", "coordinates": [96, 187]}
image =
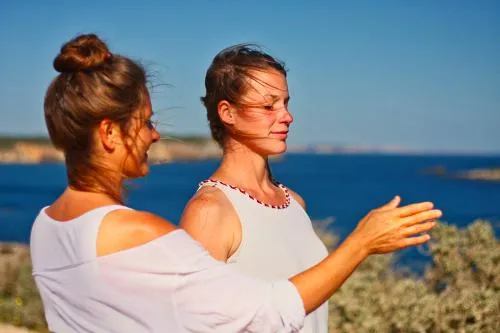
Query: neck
{"type": "Point", "coordinates": [243, 167]}
{"type": "Point", "coordinates": [100, 184]}
{"type": "Point", "coordinates": [95, 197]}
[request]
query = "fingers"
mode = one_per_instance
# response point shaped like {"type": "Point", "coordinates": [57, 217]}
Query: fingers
{"type": "Point", "coordinates": [412, 209]}
{"type": "Point", "coordinates": [413, 241]}
{"type": "Point", "coordinates": [419, 228]}
{"type": "Point", "coordinates": [421, 217]}
{"type": "Point", "coordinates": [394, 203]}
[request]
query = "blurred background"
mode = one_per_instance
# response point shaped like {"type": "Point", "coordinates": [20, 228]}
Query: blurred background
{"type": "Point", "coordinates": [389, 97]}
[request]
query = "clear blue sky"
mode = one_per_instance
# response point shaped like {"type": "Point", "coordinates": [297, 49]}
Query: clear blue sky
{"type": "Point", "coordinates": [417, 74]}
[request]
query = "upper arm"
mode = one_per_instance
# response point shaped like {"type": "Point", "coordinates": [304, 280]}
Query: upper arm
{"type": "Point", "coordinates": [124, 229]}
{"type": "Point", "coordinates": [298, 198]}
{"type": "Point", "coordinates": [210, 219]}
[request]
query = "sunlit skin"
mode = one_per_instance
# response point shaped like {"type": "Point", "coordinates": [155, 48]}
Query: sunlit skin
{"type": "Point", "coordinates": [143, 135]}
{"type": "Point", "coordinates": [125, 154]}
{"type": "Point", "coordinates": [257, 127]}
{"type": "Point", "coordinates": [260, 122]}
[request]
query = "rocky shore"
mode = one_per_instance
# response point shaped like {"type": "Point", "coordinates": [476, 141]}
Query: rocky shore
{"type": "Point", "coordinates": [484, 174]}
{"type": "Point", "coordinates": [491, 174]}
{"type": "Point", "coordinates": [26, 152]}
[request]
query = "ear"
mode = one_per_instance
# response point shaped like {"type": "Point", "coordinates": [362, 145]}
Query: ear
{"type": "Point", "coordinates": [226, 112]}
{"type": "Point", "coordinates": [109, 134]}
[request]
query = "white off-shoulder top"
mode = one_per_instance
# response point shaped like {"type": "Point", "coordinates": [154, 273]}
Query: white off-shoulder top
{"type": "Point", "coordinates": [170, 284]}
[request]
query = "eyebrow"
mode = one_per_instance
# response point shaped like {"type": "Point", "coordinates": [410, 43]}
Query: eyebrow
{"type": "Point", "coordinates": [276, 97]}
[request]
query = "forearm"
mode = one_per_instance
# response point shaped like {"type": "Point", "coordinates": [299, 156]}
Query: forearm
{"type": "Point", "coordinates": [318, 283]}
{"type": "Point", "coordinates": [385, 229]}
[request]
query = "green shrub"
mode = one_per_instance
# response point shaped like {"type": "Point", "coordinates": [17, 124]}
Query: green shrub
{"type": "Point", "coordinates": [20, 303]}
{"type": "Point", "coordinates": [459, 291]}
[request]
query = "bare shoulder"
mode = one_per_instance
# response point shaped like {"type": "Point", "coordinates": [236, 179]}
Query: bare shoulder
{"type": "Point", "coordinates": [124, 229]}
{"type": "Point", "coordinates": [297, 198]}
{"type": "Point", "coordinates": [205, 208]}
{"type": "Point", "coordinates": [210, 218]}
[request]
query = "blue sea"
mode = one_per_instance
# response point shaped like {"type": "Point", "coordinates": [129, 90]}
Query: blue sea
{"type": "Point", "coordinates": [339, 187]}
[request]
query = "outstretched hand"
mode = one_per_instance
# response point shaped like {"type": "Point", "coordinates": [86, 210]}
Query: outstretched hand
{"type": "Point", "coordinates": [390, 227]}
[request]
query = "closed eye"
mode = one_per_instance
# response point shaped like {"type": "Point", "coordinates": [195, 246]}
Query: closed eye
{"type": "Point", "coordinates": [151, 124]}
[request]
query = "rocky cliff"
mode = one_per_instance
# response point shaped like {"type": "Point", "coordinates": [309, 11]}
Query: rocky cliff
{"type": "Point", "coordinates": [162, 152]}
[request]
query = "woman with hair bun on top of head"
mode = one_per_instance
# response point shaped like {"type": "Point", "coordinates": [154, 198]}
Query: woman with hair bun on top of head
{"type": "Point", "coordinates": [241, 214]}
{"type": "Point", "coordinates": [101, 266]}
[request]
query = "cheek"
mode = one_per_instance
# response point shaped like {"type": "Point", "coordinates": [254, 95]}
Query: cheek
{"type": "Point", "coordinates": [144, 138]}
{"type": "Point", "coordinates": [255, 121]}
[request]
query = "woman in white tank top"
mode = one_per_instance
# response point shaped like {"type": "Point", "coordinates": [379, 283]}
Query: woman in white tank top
{"type": "Point", "coordinates": [246, 218]}
{"type": "Point", "coordinates": [103, 267]}
{"type": "Point", "coordinates": [241, 215]}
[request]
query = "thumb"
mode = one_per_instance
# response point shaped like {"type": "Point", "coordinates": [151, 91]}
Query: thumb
{"type": "Point", "coordinates": [394, 203]}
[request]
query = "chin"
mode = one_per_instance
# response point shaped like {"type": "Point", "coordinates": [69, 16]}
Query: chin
{"type": "Point", "coordinates": [274, 149]}
{"type": "Point", "coordinates": [279, 148]}
{"type": "Point", "coordinates": [144, 170]}
{"type": "Point", "coordinates": [139, 172]}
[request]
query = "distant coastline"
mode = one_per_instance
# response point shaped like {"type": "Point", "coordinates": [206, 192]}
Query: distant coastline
{"type": "Point", "coordinates": [481, 174]}
{"type": "Point", "coordinates": [38, 150]}
{"type": "Point", "coordinates": [35, 150]}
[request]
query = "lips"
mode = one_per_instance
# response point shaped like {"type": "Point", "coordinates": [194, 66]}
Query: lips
{"type": "Point", "coordinates": [281, 134]}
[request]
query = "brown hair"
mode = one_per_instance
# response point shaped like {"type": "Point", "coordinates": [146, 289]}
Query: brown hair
{"type": "Point", "coordinates": [93, 85]}
{"type": "Point", "coordinates": [227, 79]}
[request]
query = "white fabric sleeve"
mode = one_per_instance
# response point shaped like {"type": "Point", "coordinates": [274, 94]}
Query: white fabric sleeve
{"type": "Point", "coordinates": [213, 297]}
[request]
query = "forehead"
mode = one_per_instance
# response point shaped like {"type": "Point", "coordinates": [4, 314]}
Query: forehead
{"type": "Point", "coordinates": [148, 109]}
{"type": "Point", "coordinates": [267, 83]}
{"type": "Point", "coordinates": [145, 110]}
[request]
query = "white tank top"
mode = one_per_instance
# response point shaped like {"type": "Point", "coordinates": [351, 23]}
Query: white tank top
{"type": "Point", "coordinates": [277, 242]}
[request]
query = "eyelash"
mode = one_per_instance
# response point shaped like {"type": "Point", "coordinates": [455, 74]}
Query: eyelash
{"type": "Point", "coordinates": [151, 124]}
{"type": "Point", "coordinates": [271, 107]}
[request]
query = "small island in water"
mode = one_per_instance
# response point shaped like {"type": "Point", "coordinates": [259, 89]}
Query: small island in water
{"type": "Point", "coordinates": [483, 174]}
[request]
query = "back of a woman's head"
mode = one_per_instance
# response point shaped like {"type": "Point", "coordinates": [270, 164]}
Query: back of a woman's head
{"type": "Point", "coordinates": [228, 77]}
{"type": "Point", "coordinates": [93, 85]}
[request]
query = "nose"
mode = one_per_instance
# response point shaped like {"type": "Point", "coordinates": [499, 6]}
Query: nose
{"type": "Point", "coordinates": [287, 116]}
{"type": "Point", "coordinates": [155, 135]}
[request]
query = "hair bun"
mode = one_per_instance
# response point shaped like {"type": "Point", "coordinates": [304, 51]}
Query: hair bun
{"type": "Point", "coordinates": [84, 52]}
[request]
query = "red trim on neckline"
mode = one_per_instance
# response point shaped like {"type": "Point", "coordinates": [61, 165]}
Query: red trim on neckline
{"type": "Point", "coordinates": [282, 187]}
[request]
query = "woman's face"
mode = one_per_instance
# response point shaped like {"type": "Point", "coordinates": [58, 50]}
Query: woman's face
{"type": "Point", "coordinates": [262, 119]}
{"type": "Point", "coordinates": [141, 136]}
